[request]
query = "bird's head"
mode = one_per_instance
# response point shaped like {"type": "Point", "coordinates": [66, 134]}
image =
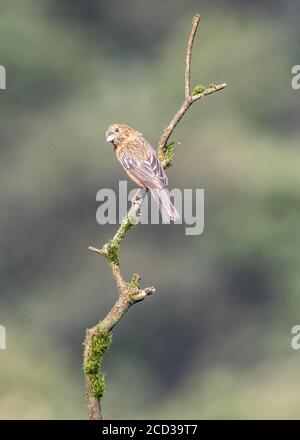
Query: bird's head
{"type": "Point", "coordinates": [113, 132]}
{"type": "Point", "coordinates": [116, 133]}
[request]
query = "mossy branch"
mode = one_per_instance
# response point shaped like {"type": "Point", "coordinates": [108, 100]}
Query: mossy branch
{"type": "Point", "coordinates": [98, 338]}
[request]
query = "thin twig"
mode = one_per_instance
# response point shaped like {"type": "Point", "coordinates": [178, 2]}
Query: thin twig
{"type": "Point", "coordinates": [188, 59]}
{"type": "Point", "coordinates": [211, 89]}
{"type": "Point", "coordinates": [179, 114]}
{"type": "Point", "coordinates": [189, 96]}
{"type": "Point", "coordinates": [98, 337]}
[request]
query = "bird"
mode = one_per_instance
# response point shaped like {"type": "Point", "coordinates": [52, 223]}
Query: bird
{"type": "Point", "coordinates": [139, 160]}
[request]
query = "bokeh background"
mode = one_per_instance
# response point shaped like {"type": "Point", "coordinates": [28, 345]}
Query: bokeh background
{"type": "Point", "coordinates": [215, 342]}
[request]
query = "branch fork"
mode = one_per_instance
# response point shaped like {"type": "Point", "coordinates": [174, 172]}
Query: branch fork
{"type": "Point", "coordinates": [98, 338]}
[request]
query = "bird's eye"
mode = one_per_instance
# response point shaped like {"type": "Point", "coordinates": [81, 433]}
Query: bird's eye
{"type": "Point", "coordinates": [117, 130]}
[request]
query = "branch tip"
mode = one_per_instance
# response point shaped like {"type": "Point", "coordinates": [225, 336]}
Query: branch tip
{"type": "Point", "coordinates": [150, 290]}
{"type": "Point", "coordinates": [96, 250]}
{"type": "Point", "coordinates": [141, 294]}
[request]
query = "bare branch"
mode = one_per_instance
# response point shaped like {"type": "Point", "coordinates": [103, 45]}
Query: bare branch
{"type": "Point", "coordinates": [189, 97]}
{"type": "Point", "coordinates": [168, 131]}
{"type": "Point", "coordinates": [98, 338]}
{"type": "Point", "coordinates": [211, 89]}
{"type": "Point", "coordinates": [196, 21]}
{"type": "Point", "coordinates": [96, 250]}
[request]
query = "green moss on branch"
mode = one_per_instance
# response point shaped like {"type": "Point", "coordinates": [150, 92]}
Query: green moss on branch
{"type": "Point", "coordinates": [198, 90]}
{"type": "Point", "coordinates": [166, 154]}
{"type": "Point", "coordinates": [92, 366]}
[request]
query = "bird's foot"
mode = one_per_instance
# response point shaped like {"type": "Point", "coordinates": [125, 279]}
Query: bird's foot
{"type": "Point", "coordinates": [136, 199]}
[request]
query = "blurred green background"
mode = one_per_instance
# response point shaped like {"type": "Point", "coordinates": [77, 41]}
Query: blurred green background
{"type": "Point", "coordinates": [215, 342]}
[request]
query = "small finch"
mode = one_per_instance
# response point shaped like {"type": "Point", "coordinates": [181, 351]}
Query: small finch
{"type": "Point", "coordinates": [140, 161]}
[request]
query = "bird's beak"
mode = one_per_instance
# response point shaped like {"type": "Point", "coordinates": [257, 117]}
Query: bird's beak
{"type": "Point", "coordinates": [109, 137]}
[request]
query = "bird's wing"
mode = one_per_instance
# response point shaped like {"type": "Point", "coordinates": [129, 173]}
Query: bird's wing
{"type": "Point", "coordinates": [140, 160]}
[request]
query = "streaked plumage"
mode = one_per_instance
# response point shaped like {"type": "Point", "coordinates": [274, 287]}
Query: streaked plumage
{"type": "Point", "coordinates": [139, 159]}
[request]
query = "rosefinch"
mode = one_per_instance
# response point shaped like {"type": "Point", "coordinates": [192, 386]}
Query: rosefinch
{"type": "Point", "coordinates": [139, 159]}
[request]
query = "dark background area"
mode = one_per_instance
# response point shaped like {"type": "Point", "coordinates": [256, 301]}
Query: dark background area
{"type": "Point", "coordinates": [215, 342]}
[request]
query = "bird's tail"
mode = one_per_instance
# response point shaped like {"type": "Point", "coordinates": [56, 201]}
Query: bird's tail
{"type": "Point", "coordinates": [167, 209]}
